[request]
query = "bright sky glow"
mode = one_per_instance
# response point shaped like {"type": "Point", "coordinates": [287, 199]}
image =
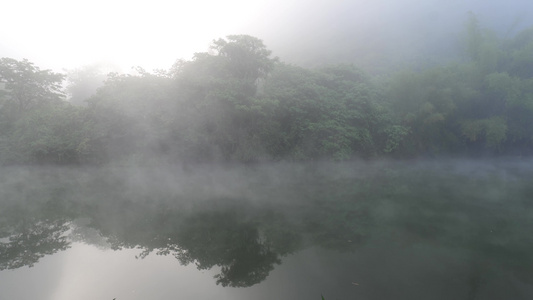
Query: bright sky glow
{"type": "Point", "coordinates": [153, 34]}
{"type": "Point", "coordinates": [65, 34]}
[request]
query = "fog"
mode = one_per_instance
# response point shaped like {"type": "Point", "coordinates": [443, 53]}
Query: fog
{"type": "Point", "coordinates": [361, 229]}
{"type": "Point", "coordinates": [380, 33]}
{"type": "Point", "coordinates": [371, 149]}
{"type": "Point", "coordinates": [153, 34]}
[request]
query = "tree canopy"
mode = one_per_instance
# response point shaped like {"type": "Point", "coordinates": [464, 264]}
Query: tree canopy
{"type": "Point", "coordinates": [26, 85]}
{"type": "Point", "coordinates": [237, 103]}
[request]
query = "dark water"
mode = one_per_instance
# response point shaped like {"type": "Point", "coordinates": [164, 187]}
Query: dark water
{"type": "Point", "coordinates": [452, 229]}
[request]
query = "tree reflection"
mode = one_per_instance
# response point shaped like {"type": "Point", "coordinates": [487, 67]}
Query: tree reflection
{"type": "Point", "coordinates": [28, 242]}
{"type": "Point", "coordinates": [33, 226]}
{"type": "Point", "coordinates": [244, 242]}
{"type": "Point", "coordinates": [223, 239]}
{"type": "Point", "coordinates": [483, 224]}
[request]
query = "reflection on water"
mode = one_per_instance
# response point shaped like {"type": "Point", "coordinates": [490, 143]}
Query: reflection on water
{"type": "Point", "coordinates": [446, 230]}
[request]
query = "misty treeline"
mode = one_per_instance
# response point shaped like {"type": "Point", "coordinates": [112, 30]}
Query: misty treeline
{"type": "Point", "coordinates": [238, 103]}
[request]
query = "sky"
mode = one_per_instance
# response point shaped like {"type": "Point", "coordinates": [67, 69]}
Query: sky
{"type": "Point", "coordinates": [64, 34]}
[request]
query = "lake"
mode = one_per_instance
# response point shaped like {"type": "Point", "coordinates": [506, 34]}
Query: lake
{"type": "Point", "coordinates": [447, 229]}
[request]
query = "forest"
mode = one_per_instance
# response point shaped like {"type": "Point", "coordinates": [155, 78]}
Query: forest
{"type": "Point", "coordinates": [238, 103]}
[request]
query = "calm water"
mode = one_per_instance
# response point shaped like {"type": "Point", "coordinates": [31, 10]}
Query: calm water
{"type": "Point", "coordinates": [451, 229]}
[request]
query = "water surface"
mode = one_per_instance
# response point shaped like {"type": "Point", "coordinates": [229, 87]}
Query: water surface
{"type": "Point", "coordinates": [454, 229]}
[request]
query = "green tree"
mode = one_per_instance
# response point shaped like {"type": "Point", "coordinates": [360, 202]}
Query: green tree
{"type": "Point", "coordinates": [130, 116]}
{"type": "Point", "coordinates": [219, 93]}
{"type": "Point", "coordinates": [56, 133]}
{"type": "Point", "coordinates": [425, 104]}
{"type": "Point", "coordinates": [499, 117]}
{"type": "Point", "coordinates": [246, 57]}
{"type": "Point", "coordinates": [329, 113]}
{"type": "Point", "coordinates": [519, 50]}
{"type": "Point", "coordinates": [37, 125]}
{"type": "Point", "coordinates": [26, 85]}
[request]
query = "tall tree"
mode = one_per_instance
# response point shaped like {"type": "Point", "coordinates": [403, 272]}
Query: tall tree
{"type": "Point", "coordinates": [246, 56]}
{"type": "Point", "coordinates": [219, 92]}
{"type": "Point", "coordinates": [26, 85]}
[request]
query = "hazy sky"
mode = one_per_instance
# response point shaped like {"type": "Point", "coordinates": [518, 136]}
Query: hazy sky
{"type": "Point", "coordinates": [153, 34]}
{"type": "Point", "coordinates": [68, 33]}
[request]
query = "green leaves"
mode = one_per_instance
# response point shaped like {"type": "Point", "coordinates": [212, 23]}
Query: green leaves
{"type": "Point", "coordinates": [395, 135]}
{"type": "Point", "coordinates": [483, 104]}
{"type": "Point", "coordinates": [331, 112]}
{"type": "Point", "coordinates": [26, 85]}
{"type": "Point", "coordinates": [245, 56]}
{"type": "Point", "coordinates": [492, 130]}
{"type": "Point", "coordinates": [50, 134]}
{"type": "Point", "coordinates": [236, 102]}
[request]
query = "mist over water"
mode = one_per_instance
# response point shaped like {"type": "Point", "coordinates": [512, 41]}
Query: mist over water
{"type": "Point", "coordinates": [344, 149]}
{"type": "Point", "coordinates": [378, 229]}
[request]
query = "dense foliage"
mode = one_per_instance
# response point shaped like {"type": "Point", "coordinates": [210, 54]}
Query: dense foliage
{"type": "Point", "coordinates": [237, 103]}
